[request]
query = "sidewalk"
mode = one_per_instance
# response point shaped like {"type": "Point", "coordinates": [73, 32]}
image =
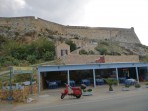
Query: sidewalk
{"type": "Point", "coordinates": [52, 97]}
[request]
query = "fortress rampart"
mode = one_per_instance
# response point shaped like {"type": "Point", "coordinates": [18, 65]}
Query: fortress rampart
{"type": "Point", "coordinates": [115, 34]}
{"type": "Point", "coordinates": [127, 35]}
{"type": "Point", "coordinates": [18, 23]}
{"type": "Point", "coordinates": [50, 25]}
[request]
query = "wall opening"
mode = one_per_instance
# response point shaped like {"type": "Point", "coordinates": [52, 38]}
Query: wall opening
{"type": "Point", "coordinates": [53, 80]}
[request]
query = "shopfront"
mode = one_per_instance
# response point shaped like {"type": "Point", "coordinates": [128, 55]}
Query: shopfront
{"type": "Point", "coordinates": [55, 76]}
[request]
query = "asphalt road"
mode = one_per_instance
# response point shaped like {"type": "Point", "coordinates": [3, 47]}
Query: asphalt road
{"type": "Point", "coordinates": [134, 102]}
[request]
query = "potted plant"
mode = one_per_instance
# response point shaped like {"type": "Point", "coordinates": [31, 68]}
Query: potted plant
{"type": "Point", "coordinates": [111, 82]}
{"type": "Point", "coordinates": [126, 87]}
{"type": "Point", "coordinates": [86, 92]}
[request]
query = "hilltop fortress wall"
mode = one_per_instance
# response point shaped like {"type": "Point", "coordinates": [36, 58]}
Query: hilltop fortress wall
{"type": "Point", "coordinates": [18, 23]}
{"type": "Point", "coordinates": [51, 26]}
{"type": "Point", "coordinates": [115, 34]}
{"type": "Point", "coordinates": [97, 33]}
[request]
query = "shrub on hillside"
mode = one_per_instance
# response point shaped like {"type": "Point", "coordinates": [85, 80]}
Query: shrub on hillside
{"type": "Point", "coordinates": [41, 49]}
{"type": "Point", "coordinates": [83, 52]}
{"type": "Point", "coordinates": [48, 56]}
{"type": "Point", "coordinates": [104, 43]}
{"type": "Point", "coordinates": [31, 59]}
{"type": "Point", "coordinates": [103, 51]}
{"type": "Point", "coordinates": [72, 45]}
{"type": "Point", "coordinates": [91, 52]}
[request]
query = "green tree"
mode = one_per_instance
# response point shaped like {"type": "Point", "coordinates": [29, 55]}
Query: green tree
{"type": "Point", "coordinates": [15, 62]}
{"type": "Point", "coordinates": [42, 46]}
{"type": "Point", "coordinates": [41, 49]}
{"type": "Point", "coordinates": [72, 45]}
{"type": "Point", "coordinates": [20, 52]}
{"type": "Point", "coordinates": [31, 58]}
{"type": "Point", "coordinates": [48, 56]}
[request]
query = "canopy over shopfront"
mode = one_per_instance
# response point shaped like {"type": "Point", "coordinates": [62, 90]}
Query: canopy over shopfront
{"type": "Point", "coordinates": [93, 67]}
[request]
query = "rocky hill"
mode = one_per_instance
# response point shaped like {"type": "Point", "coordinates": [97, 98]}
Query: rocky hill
{"type": "Point", "coordinates": [24, 26]}
{"type": "Point", "coordinates": [27, 29]}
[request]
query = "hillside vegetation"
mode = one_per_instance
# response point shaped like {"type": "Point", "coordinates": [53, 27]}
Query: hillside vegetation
{"type": "Point", "coordinates": [108, 47]}
{"type": "Point", "coordinates": [18, 54]}
{"type": "Point", "coordinates": [111, 48]}
{"type": "Point", "coordinates": [26, 40]}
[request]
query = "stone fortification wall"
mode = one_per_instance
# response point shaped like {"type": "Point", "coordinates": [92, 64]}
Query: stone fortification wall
{"type": "Point", "coordinates": [127, 36]}
{"type": "Point", "coordinates": [90, 33]}
{"type": "Point", "coordinates": [30, 23]}
{"type": "Point", "coordinates": [116, 34]}
{"type": "Point", "coordinates": [51, 26]}
{"type": "Point", "coordinates": [18, 23]}
{"type": "Point", "coordinates": [9, 20]}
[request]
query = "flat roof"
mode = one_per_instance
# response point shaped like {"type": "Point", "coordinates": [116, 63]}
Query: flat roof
{"type": "Point", "coordinates": [47, 68]}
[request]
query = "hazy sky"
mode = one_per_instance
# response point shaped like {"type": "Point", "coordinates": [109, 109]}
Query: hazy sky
{"type": "Point", "coordinates": [94, 13]}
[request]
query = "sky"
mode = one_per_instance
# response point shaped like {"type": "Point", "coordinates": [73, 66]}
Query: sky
{"type": "Point", "coordinates": [93, 13]}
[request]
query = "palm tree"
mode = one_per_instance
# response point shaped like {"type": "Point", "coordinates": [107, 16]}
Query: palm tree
{"type": "Point", "coordinates": [110, 82]}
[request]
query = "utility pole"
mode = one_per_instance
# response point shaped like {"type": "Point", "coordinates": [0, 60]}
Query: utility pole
{"type": "Point", "coordinates": [10, 98]}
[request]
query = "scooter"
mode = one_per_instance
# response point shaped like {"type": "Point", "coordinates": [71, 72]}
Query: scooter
{"type": "Point", "coordinates": [76, 92]}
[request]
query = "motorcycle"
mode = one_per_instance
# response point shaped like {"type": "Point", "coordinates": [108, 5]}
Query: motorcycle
{"type": "Point", "coordinates": [76, 92]}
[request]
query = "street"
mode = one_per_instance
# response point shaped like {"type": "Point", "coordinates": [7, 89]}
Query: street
{"type": "Point", "coordinates": [133, 102]}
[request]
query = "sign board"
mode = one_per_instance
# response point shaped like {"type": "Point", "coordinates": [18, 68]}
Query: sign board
{"type": "Point", "coordinates": [22, 70]}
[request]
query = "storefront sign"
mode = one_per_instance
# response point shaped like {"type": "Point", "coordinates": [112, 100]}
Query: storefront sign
{"type": "Point", "coordinates": [22, 70]}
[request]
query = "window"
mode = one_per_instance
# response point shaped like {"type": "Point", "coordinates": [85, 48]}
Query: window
{"type": "Point", "coordinates": [64, 52]}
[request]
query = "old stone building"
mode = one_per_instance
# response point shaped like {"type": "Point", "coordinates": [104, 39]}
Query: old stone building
{"type": "Point", "coordinates": [62, 50]}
